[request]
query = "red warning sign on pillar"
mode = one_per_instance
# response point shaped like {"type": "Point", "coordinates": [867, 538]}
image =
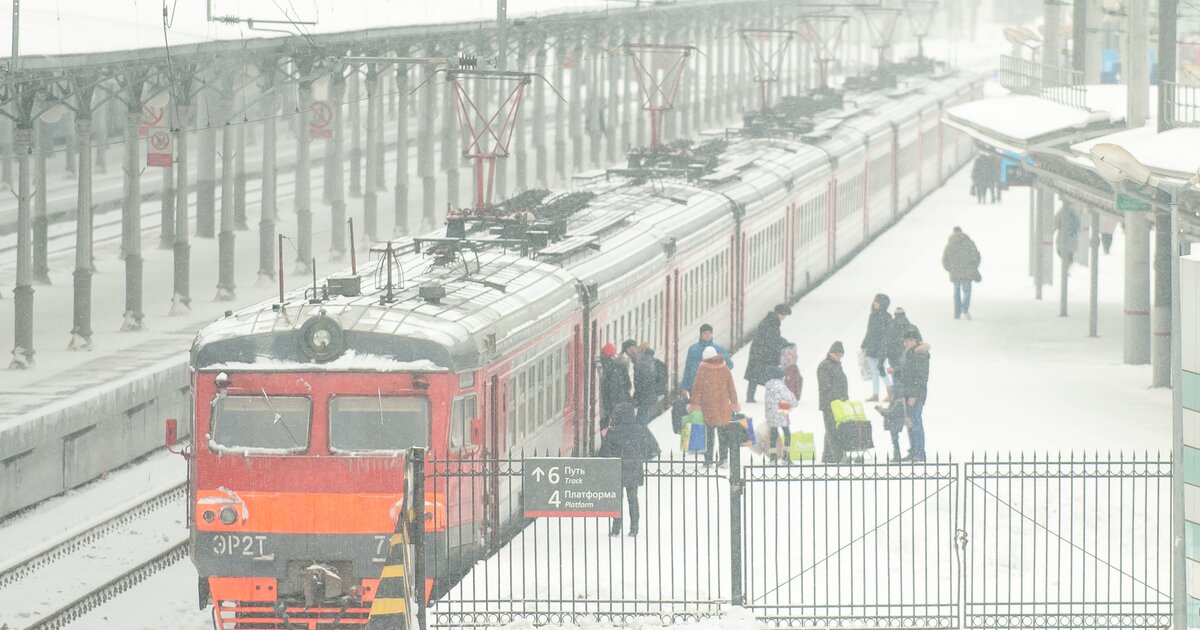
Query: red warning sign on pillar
{"type": "Point", "coordinates": [320, 120]}
{"type": "Point", "coordinates": [151, 117]}
{"type": "Point", "coordinates": [158, 151]}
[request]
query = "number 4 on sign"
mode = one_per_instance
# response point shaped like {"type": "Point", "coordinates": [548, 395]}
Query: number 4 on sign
{"type": "Point", "coordinates": [554, 499]}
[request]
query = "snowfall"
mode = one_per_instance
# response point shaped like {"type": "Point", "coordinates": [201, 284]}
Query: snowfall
{"type": "Point", "coordinates": [1016, 378]}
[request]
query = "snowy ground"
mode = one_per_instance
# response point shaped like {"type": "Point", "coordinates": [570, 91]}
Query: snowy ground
{"type": "Point", "coordinates": [1015, 378]}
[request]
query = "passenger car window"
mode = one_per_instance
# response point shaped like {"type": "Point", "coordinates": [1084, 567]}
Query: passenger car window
{"type": "Point", "coordinates": [462, 413]}
{"type": "Point", "coordinates": [377, 423]}
{"type": "Point", "coordinates": [275, 424]}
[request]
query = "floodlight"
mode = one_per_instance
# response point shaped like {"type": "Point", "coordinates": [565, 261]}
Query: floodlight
{"type": "Point", "coordinates": [1014, 36]}
{"type": "Point", "coordinates": [1031, 38]}
{"type": "Point", "coordinates": [1116, 164]}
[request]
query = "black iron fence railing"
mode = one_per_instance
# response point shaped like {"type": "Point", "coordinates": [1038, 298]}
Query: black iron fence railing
{"type": "Point", "coordinates": [1060, 85]}
{"type": "Point", "coordinates": [989, 543]}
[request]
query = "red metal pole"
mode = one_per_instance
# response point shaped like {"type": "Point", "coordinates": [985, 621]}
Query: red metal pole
{"type": "Point", "coordinates": [654, 113]}
{"type": "Point", "coordinates": [491, 176]}
{"type": "Point", "coordinates": [479, 183]}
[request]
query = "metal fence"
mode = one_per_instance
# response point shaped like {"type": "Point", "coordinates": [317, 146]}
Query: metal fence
{"type": "Point", "coordinates": [1059, 85]}
{"type": "Point", "coordinates": [990, 543]}
{"type": "Point", "coordinates": [1181, 104]}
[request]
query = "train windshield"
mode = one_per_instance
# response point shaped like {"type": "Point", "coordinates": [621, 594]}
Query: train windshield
{"type": "Point", "coordinates": [271, 423]}
{"type": "Point", "coordinates": [377, 423]}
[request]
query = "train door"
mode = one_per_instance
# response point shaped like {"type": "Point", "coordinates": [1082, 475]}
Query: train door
{"type": "Point", "coordinates": [492, 450]}
{"type": "Point", "coordinates": [675, 304]}
{"type": "Point", "coordinates": [467, 439]}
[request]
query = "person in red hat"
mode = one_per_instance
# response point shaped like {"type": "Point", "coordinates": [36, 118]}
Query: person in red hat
{"type": "Point", "coordinates": [615, 385]}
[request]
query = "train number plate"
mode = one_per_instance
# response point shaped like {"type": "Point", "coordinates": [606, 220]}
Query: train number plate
{"type": "Point", "coordinates": [248, 545]}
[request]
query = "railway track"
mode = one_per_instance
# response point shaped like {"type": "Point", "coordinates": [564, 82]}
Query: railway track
{"type": "Point", "coordinates": [132, 542]}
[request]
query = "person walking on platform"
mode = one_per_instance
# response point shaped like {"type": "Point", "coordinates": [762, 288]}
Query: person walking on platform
{"type": "Point", "coordinates": [831, 386]}
{"type": "Point", "coordinates": [714, 395]}
{"type": "Point", "coordinates": [995, 165]}
{"type": "Point", "coordinates": [632, 442]}
{"type": "Point", "coordinates": [979, 177]}
{"type": "Point", "coordinates": [695, 356]}
{"type": "Point", "coordinates": [764, 349]}
{"type": "Point", "coordinates": [912, 387]}
{"type": "Point", "coordinates": [961, 258]}
{"type": "Point", "coordinates": [779, 403]}
{"type": "Point", "coordinates": [874, 344]}
{"type": "Point", "coordinates": [615, 384]}
{"type": "Point", "coordinates": [791, 371]}
{"type": "Point", "coordinates": [647, 385]}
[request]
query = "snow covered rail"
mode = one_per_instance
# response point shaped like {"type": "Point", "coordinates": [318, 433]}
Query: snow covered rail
{"type": "Point", "coordinates": [76, 609]}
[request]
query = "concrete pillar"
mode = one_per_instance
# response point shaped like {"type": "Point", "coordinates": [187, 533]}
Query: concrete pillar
{"type": "Point", "coordinates": [41, 221]}
{"type": "Point", "coordinates": [1137, 289]}
{"type": "Point", "coordinates": [1160, 349]}
{"type": "Point", "coordinates": [303, 173]}
{"type": "Point", "coordinates": [425, 157]}
{"type": "Point", "coordinates": [629, 93]}
{"type": "Point", "coordinates": [451, 148]}
{"type": "Point", "coordinates": [68, 129]}
{"type": "Point", "coordinates": [131, 222]}
{"type": "Point", "coordinates": [226, 288]}
{"type": "Point", "coordinates": [166, 233]}
{"type": "Point", "coordinates": [521, 132]}
{"type": "Point", "coordinates": [335, 165]}
{"type": "Point", "coordinates": [695, 82]}
{"type": "Point", "coordinates": [1136, 67]}
{"type": "Point", "coordinates": [611, 111]}
{"type": "Point", "coordinates": [673, 120]}
{"type": "Point", "coordinates": [710, 48]}
{"type": "Point", "coordinates": [575, 107]}
{"type": "Point", "coordinates": [181, 300]}
{"type": "Point", "coordinates": [1044, 240]}
{"type": "Point", "coordinates": [560, 128]}
{"type": "Point", "coordinates": [1095, 17]}
{"type": "Point", "coordinates": [206, 172]}
{"type": "Point", "coordinates": [355, 81]}
{"type": "Point", "coordinates": [23, 291]}
{"type": "Point", "coordinates": [380, 128]}
{"type": "Point", "coordinates": [267, 206]}
{"type": "Point", "coordinates": [729, 84]}
{"type": "Point", "coordinates": [595, 107]}
{"type": "Point", "coordinates": [400, 213]}
{"type": "Point", "coordinates": [370, 196]}
{"type": "Point", "coordinates": [538, 123]}
{"type": "Point", "coordinates": [239, 178]}
{"type": "Point", "coordinates": [1094, 274]}
{"type": "Point", "coordinates": [6, 144]}
{"type": "Point", "coordinates": [81, 332]}
{"type": "Point", "coordinates": [99, 137]}
{"type": "Point", "coordinates": [1051, 42]}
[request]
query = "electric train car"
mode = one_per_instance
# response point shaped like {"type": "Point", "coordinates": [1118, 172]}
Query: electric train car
{"type": "Point", "coordinates": [477, 350]}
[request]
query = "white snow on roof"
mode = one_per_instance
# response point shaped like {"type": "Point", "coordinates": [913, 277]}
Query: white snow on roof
{"type": "Point", "coordinates": [1174, 154]}
{"type": "Point", "coordinates": [69, 27]}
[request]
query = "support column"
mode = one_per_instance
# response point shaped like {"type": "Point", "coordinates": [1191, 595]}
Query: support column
{"type": "Point", "coordinates": [68, 128]}
{"type": "Point", "coordinates": [425, 158]}
{"type": "Point", "coordinates": [612, 109]}
{"type": "Point", "coordinates": [226, 288]}
{"type": "Point", "coordinates": [166, 227]}
{"type": "Point", "coordinates": [81, 332]}
{"type": "Point", "coordinates": [451, 151]}
{"type": "Point", "coordinates": [594, 107]}
{"type": "Point", "coordinates": [379, 130]}
{"type": "Point", "coordinates": [132, 221]}
{"type": "Point", "coordinates": [1094, 275]}
{"type": "Point", "coordinates": [1160, 349]}
{"type": "Point", "coordinates": [182, 300]}
{"type": "Point", "coordinates": [267, 208]}
{"type": "Point", "coordinates": [520, 132]}
{"type": "Point", "coordinates": [560, 128]}
{"type": "Point", "coordinates": [694, 84]}
{"type": "Point", "coordinates": [400, 218]}
{"type": "Point", "coordinates": [1136, 68]}
{"type": "Point", "coordinates": [710, 56]}
{"type": "Point", "coordinates": [6, 142]}
{"type": "Point", "coordinates": [335, 166]}
{"type": "Point", "coordinates": [629, 95]}
{"type": "Point", "coordinates": [355, 80]}
{"type": "Point", "coordinates": [303, 173]}
{"type": "Point", "coordinates": [23, 291]}
{"type": "Point", "coordinates": [206, 176]}
{"type": "Point", "coordinates": [239, 178]}
{"type": "Point", "coordinates": [1095, 18]}
{"type": "Point", "coordinates": [1137, 289]}
{"type": "Point", "coordinates": [729, 80]}
{"type": "Point", "coordinates": [99, 137]}
{"type": "Point", "coordinates": [41, 222]}
{"type": "Point", "coordinates": [370, 197]}
{"type": "Point", "coordinates": [538, 123]}
{"type": "Point", "coordinates": [1043, 225]}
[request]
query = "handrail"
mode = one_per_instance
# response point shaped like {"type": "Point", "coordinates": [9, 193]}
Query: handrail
{"type": "Point", "coordinates": [1059, 85]}
{"type": "Point", "coordinates": [1181, 104]}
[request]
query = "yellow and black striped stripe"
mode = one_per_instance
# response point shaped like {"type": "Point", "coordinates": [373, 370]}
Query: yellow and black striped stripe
{"type": "Point", "coordinates": [395, 601]}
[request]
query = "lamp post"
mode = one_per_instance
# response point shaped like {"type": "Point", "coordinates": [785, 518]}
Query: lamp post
{"type": "Point", "coordinates": [1117, 165]}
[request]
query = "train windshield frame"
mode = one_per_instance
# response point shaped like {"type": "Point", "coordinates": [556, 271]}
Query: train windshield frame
{"type": "Point", "coordinates": [364, 424]}
{"type": "Point", "coordinates": [260, 424]}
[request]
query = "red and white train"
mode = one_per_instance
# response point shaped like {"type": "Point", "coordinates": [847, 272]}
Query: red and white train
{"type": "Point", "coordinates": [303, 409]}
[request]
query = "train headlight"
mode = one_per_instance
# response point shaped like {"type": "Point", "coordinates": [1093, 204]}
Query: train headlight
{"type": "Point", "coordinates": [322, 338]}
{"type": "Point", "coordinates": [208, 516]}
{"type": "Point", "coordinates": [228, 515]}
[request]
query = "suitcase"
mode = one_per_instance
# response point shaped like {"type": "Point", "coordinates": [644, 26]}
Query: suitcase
{"type": "Point", "coordinates": [678, 411]}
{"type": "Point", "coordinates": [854, 435]}
{"type": "Point", "coordinates": [804, 446]}
{"type": "Point", "coordinates": [693, 437]}
{"type": "Point", "coordinates": [847, 411]}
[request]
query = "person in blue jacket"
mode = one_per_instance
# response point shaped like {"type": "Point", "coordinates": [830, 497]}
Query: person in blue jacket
{"type": "Point", "coordinates": [695, 355]}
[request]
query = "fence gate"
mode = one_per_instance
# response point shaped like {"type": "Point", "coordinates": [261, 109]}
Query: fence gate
{"type": "Point", "coordinates": [1081, 543]}
{"type": "Point", "coordinates": [866, 545]}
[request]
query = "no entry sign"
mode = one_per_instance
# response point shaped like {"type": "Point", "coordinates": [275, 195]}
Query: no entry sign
{"type": "Point", "coordinates": [572, 486]}
{"type": "Point", "coordinates": [151, 117]}
{"type": "Point", "coordinates": [158, 151]}
{"type": "Point", "coordinates": [320, 120]}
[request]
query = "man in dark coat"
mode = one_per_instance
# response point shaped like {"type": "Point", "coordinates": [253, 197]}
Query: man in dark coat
{"type": "Point", "coordinates": [831, 386]}
{"type": "Point", "coordinates": [634, 445]}
{"type": "Point", "coordinates": [647, 385]}
{"type": "Point", "coordinates": [894, 345]}
{"type": "Point", "coordinates": [961, 259]}
{"type": "Point", "coordinates": [614, 383]}
{"type": "Point", "coordinates": [764, 349]}
{"type": "Point", "coordinates": [980, 180]}
{"type": "Point", "coordinates": [912, 387]}
{"type": "Point", "coordinates": [874, 344]}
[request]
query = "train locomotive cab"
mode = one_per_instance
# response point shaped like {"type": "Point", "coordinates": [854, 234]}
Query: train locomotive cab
{"type": "Point", "coordinates": [298, 481]}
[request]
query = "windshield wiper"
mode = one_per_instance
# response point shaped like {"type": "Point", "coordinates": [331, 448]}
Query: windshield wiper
{"type": "Point", "coordinates": [278, 417]}
{"type": "Point", "coordinates": [379, 397]}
